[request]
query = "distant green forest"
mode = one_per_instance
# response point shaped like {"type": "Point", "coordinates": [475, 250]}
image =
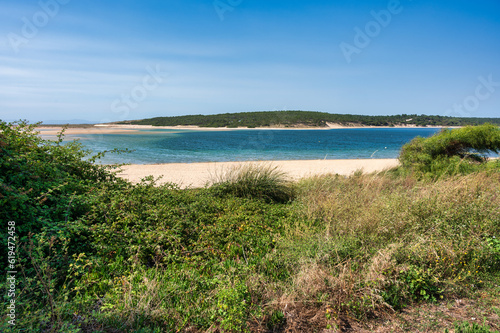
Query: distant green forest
{"type": "Point", "coordinates": [308, 119]}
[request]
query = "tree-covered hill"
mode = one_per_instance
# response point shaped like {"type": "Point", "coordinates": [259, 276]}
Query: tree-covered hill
{"type": "Point", "coordinates": [307, 119]}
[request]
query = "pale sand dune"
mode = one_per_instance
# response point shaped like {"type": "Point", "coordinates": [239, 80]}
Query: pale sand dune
{"type": "Point", "coordinates": [198, 174]}
{"type": "Point", "coordinates": [46, 131]}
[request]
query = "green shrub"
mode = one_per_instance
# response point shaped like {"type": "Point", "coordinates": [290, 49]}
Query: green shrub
{"type": "Point", "coordinates": [44, 184]}
{"type": "Point", "coordinates": [232, 306]}
{"type": "Point", "coordinates": [45, 187]}
{"type": "Point", "coordinates": [456, 151]}
{"type": "Point", "coordinates": [466, 327]}
{"type": "Point", "coordinates": [413, 285]}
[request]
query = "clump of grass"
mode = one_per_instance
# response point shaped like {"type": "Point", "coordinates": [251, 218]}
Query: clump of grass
{"type": "Point", "coordinates": [256, 181]}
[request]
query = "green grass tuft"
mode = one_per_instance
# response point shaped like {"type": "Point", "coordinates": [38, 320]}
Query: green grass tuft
{"type": "Point", "coordinates": [257, 181]}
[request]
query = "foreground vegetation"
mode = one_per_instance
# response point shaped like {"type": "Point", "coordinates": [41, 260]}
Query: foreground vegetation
{"type": "Point", "coordinates": [251, 252]}
{"type": "Point", "coordinates": [451, 152]}
{"type": "Point", "coordinates": [307, 118]}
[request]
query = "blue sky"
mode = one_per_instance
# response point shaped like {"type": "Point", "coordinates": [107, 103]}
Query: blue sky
{"type": "Point", "coordinates": [114, 60]}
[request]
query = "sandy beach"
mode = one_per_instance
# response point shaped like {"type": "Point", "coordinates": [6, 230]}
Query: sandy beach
{"type": "Point", "coordinates": [131, 129]}
{"type": "Point", "coordinates": [198, 174]}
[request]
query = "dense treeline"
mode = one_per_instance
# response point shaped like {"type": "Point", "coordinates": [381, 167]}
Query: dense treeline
{"type": "Point", "coordinates": [307, 118]}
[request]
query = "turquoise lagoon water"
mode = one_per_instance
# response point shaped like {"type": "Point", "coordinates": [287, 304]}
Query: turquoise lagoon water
{"type": "Point", "coordinates": [188, 146]}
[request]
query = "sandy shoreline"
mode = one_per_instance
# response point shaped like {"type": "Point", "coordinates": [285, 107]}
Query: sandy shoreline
{"type": "Point", "coordinates": [198, 174]}
{"type": "Point", "coordinates": [131, 129]}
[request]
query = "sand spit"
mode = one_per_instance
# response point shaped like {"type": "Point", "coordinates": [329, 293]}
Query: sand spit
{"type": "Point", "coordinates": [130, 129]}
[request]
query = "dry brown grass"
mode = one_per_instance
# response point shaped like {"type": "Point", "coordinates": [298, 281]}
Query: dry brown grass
{"type": "Point", "coordinates": [367, 230]}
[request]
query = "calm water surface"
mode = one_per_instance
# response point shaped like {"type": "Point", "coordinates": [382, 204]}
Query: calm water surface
{"type": "Point", "coordinates": [186, 146]}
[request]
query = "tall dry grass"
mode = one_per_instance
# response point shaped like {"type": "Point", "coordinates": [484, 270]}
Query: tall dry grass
{"type": "Point", "coordinates": [370, 244]}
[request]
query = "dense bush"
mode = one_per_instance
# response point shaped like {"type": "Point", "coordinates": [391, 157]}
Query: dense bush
{"type": "Point", "coordinates": [44, 185]}
{"type": "Point", "coordinates": [38, 178]}
{"type": "Point", "coordinates": [451, 151]}
{"type": "Point", "coordinates": [45, 188]}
